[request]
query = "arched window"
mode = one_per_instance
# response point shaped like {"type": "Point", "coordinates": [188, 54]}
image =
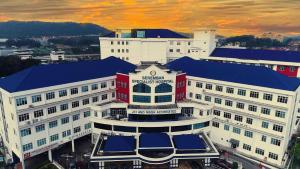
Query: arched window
{"type": "Point", "coordinates": [141, 88]}
{"type": "Point", "coordinates": [163, 88]}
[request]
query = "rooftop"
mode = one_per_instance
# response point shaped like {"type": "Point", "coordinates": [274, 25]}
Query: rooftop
{"type": "Point", "coordinates": [254, 54]}
{"type": "Point", "coordinates": [236, 73]}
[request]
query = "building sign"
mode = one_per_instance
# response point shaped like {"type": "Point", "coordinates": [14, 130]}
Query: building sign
{"type": "Point", "coordinates": [152, 80]}
{"type": "Point", "coordinates": [153, 111]}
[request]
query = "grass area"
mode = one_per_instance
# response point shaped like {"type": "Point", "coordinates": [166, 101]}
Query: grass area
{"type": "Point", "coordinates": [48, 166]}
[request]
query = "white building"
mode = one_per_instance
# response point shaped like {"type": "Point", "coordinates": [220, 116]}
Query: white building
{"type": "Point", "coordinates": [160, 45]}
{"type": "Point", "coordinates": [229, 105]}
{"type": "Point", "coordinates": [57, 55]}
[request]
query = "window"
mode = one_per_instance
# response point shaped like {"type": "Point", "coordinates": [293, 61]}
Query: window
{"type": "Point", "coordinates": [247, 147]}
{"type": "Point", "coordinates": [53, 124]}
{"type": "Point", "coordinates": [103, 85]}
{"type": "Point", "coordinates": [87, 126]}
{"type": "Point", "coordinates": [236, 130]}
{"type": "Point", "coordinates": [94, 86]}
{"type": "Point", "coordinates": [63, 107]}
{"type": "Point", "coordinates": [227, 115]}
{"type": "Point", "coordinates": [95, 99]}
{"type": "Point", "coordinates": [277, 128]}
{"type": "Point", "coordinates": [265, 111]}
{"type": "Point", "coordinates": [275, 141]}
{"type": "Point", "coordinates": [259, 151]}
{"type": "Point", "coordinates": [141, 99]}
{"type": "Point", "coordinates": [254, 94]}
{"type": "Point", "coordinates": [40, 128]}
{"type": "Point", "coordinates": [238, 118]}
{"type": "Point", "coordinates": [51, 110]}
{"type": "Point", "coordinates": [66, 133]}
{"type": "Point", "coordinates": [218, 100]}
{"type": "Point", "coordinates": [240, 105]}
{"type": "Point", "coordinates": [50, 95]}
{"type": "Point", "coordinates": [282, 99]}
{"type": "Point", "coordinates": [163, 98]}
{"type": "Point", "coordinates": [280, 114]}
{"type": "Point", "coordinates": [85, 101]}
{"type": "Point", "coordinates": [65, 120]}
{"type": "Point", "coordinates": [170, 50]}
{"type": "Point", "coordinates": [76, 117]}
{"type": "Point", "coordinates": [249, 134]}
{"type": "Point", "coordinates": [273, 156]}
{"type": "Point", "coordinates": [75, 104]}
{"type": "Point", "coordinates": [207, 98]}
{"type": "Point", "coordinates": [54, 137]}
{"type": "Point", "coordinates": [27, 147]}
{"type": "Point", "coordinates": [241, 92]}
{"type": "Point", "coordinates": [74, 91]}
{"type": "Point", "coordinates": [38, 113]}
{"type": "Point", "coordinates": [208, 86]}
{"type": "Point", "coordinates": [226, 127]}
{"type": "Point", "coordinates": [113, 83]}
{"type": "Point", "coordinates": [252, 108]}
{"type": "Point", "coordinates": [36, 98]}
{"type": "Point", "coordinates": [163, 88]}
{"type": "Point", "coordinates": [41, 142]}
{"type": "Point", "coordinates": [23, 117]}
{"type": "Point", "coordinates": [77, 129]}
{"type": "Point", "coordinates": [268, 96]}
{"type": "Point", "coordinates": [84, 88]}
{"type": "Point", "coordinates": [141, 88]}
{"type": "Point", "coordinates": [112, 50]}
{"type": "Point", "coordinates": [249, 120]}
{"type": "Point", "coordinates": [219, 88]}
{"type": "Point", "coordinates": [178, 50]}
{"type": "Point", "coordinates": [281, 68]}
{"type": "Point", "coordinates": [21, 101]}
{"type": "Point", "coordinates": [265, 124]}
{"type": "Point", "coordinates": [292, 69]}
{"type": "Point", "coordinates": [198, 96]}
{"type": "Point", "coordinates": [104, 97]}
{"type": "Point", "coordinates": [263, 138]}
{"type": "Point", "coordinates": [217, 112]}
{"type": "Point", "coordinates": [229, 90]}
{"type": "Point", "coordinates": [62, 93]}
{"type": "Point", "coordinates": [86, 114]}
{"type": "Point", "coordinates": [198, 84]}
{"type": "Point", "coordinates": [25, 132]}
{"type": "Point", "coordinates": [189, 83]}
{"type": "Point", "coordinates": [228, 103]}
{"type": "Point", "coordinates": [215, 124]}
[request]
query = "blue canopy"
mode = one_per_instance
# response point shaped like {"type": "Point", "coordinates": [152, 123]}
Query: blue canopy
{"type": "Point", "coordinates": [155, 140]}
{"type": "Point", "coordinates": [119, 144]}
{"type": "Point", "coordinates": [189, 142]}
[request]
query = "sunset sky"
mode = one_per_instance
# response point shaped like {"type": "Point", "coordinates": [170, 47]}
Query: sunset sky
{"type": "Point", "coordinates": [229, 17]}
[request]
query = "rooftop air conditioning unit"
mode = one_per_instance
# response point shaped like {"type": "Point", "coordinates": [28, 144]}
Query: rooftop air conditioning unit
{"type": "Point", "coordinates": [30, 106]}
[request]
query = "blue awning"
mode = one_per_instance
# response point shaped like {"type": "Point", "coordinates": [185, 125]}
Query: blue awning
{"type": "Point", "coordinates": [189, 142]}
{"type": "Point", "coordinates": [154, 141]}
{"type": "Point", "coordinates": [119, 144]}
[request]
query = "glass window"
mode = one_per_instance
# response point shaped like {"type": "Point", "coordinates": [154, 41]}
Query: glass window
{"type": "Point", "coordinates": [103, 85]}
{"type": "Point", "coordinates": [254, 94]}
{"type": "Point", "coordinates": [27, 147]}
{"type": "Point", "coordinates": [40, 128]}
{"type": "Point", "coordinates": [268, 96]}
{"type": "Point", "coordinates": [77, 129]}
{"type": "Point", "coordinates": [226, 127]}
{"type": "Point", "coordinates": [218, 100]}
{"type": "Point", "coordinates": [259, 151]}
{"type": "Point", "coordinates": [240, 105]}
{"type": "Point", "coordinates": [66, 133]}
{"type": "Point", "coordinates": [229, 90]}
{"type": "Point", "coordinates": [38, 113]}
{"type": "Point", "coordinates": [53, 124]}
{"type": "Point", "coordinates": [50, 95]}
{"type": "Point", "coordinates": [25, 132]}
{"type": "Point", "coordinates": [76, 117]}
{"type": "Point", "coordinates": [263, 138]}
{"type": "Point", "coordinates": [65, 120]}
{"type": "Point", "coordinates": [41, 142]}
{"type": "Point", "coordinates": [23, 117]}
{"type": "Point", "coordinates": [273, 156]}
{"type": "Point", "coordinates": [198, 84]}
{"type": "Point", "coordinates": [238, 118]}
{"type": "Point", "coordinates": [249, 134]}
{"type": "Point", "coordinates": [63, 107]}
{"type": "Point", "coordinates": [163, 88]}
{"type": "Point", "coordinates": [265, 124]}
{"type": "Point", "coordinates": [219, 88]}
{"type": "Point", "coordinates": [215, 124]}
{"type": "Point", "coordinates": [282, 99]}
{"type": "Point", "coordinates": [163, 98]}
{"type": "Point", "coordinates": [141, 88]}
{"type": "Point", "coordinates": [51, 110]}
{"type": "Point", "coordinates": [246, 147]}
{"type": "Point", "coordinates": [36, 98]}
{"type": "Point", "coordinates": [228, 103]}
{"type": "Point", "coordinates": [275, 141]}
{"type": "Point", "coordinates": [75, 104]}
{"type": "Point", "coordinates": [280, 114]}
{"type": "Point", "coordinates": [94, 86]}
{"type": "Point", "coordinates": [85, 101]}
{"type": "Point", "coordinates": [74, 91]}
{"type": "Point", "coordinates": [265, 111]}
{"type": "Point", "coordinates": [141, 99]}
{"type": "Point", "coordinates": [227, 115]}
{"type": "Point", "coordinates": [104, 97]}
{"type": "Point", "coordinates": [207, 98]}
{"type": "Point", "coordinates": [84, 88]}
{"type": "Point", "coordinates": [54, 137]}
{"type": "Point", "coordinates": [208, 86]}
{"type": "Point", "coordinates": [86, 114]}
{"type": "Point", "coordinates": [87, 126]}
{"type": "Point", "coordinates": [249, 120]}
{"type": "Point", "coordinates": [277, 128]}
{"type": "Point", "coordinates": [21, 101]}
{"type": "Point", "coordinates": [252, 108]}
{"type": "Point", "coordinates": [236, 130]}
{"type": "Point", "coordinates": [62, 93]}
{"type": "Point", "coordinates": [241, 92]}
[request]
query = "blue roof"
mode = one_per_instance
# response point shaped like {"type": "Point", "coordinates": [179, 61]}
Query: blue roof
{"type": "Point", "coordinates": [152, 33]}
{"type": "Point", "coordinates": [56, 74]}
{"type": "Point", "coordinates": [254, 54]}
{"type": "Point", "coordinates": [189, 142]}
{"type": "Point", "coordinates": [154, 140]}
{"type": "Point", "coordinates": [119, 143]}
{"type": "Point", "coordinates": [236, 73]}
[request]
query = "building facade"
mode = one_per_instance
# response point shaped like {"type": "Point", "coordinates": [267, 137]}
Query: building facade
{"type": "Point", "coordinates": [182, 109]}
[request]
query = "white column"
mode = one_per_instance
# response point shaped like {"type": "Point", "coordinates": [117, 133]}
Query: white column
{"type": "Point", "coordinates": [73, 146]}
{"type": "Point", "coordinates": [50, 155]}
{"type": "Point", "coordinates": [101, 165]}
{"type": "Point", "coordinates": [23, 163]}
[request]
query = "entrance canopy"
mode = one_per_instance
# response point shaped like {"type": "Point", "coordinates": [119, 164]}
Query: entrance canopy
{"type": "Point", "coordinates": [119, 144]}
{"type": "Point", "coordinates": [155, 141]}
{"type": "Point", "coordinates": [189, 142]}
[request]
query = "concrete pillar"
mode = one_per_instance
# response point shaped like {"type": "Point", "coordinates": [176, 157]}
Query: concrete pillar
{"type": "Point", "coordinates": [101, 165]}
{"type": "Point", "coordinates": [23, 163]}
{"type": "Point", "coordinates": [207, 162]}
{"type": "Point", "coordinates": [73, 146]}
{"type": "Point", "coordinates": [137, 164]}
{"type": "Point", "coordinates": [174, 163]}
{"type": "Point", "coordinates": [50, 155]}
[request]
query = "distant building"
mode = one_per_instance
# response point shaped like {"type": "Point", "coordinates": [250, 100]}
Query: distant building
{"type": "Point", "coordinates": [23, 54]}
{"type": "Point", "coordinates": [273, 36]}
{"type": "Point", "coordinates": [160, 45]}
{"type": "Point", "coordinates": [57, 55]}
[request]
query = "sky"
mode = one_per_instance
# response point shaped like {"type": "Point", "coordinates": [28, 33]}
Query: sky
{"type": "Point", "coordinates": [228, 17]}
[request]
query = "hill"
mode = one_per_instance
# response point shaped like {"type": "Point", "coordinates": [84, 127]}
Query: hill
{"type": "Point", "coordinates": [17, 29]}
